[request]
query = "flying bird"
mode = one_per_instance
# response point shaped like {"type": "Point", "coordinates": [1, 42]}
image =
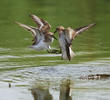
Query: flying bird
{"type": "Point", "coordinates": [42, 38]}
{"type": "Point", "coordinates": [66, 36]}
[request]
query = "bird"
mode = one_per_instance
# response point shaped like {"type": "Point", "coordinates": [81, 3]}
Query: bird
{"type": "Point", "coordinates": [42, 38]}
{"type": "Point", "coordinates": [66, 36]}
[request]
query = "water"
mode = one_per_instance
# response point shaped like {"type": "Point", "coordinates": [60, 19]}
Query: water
{"type": "Point", "coordinates": [23, 69]}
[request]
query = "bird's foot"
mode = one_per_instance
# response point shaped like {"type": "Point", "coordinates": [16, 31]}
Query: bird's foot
{"type": "Point", "coordinates": [54, 51]}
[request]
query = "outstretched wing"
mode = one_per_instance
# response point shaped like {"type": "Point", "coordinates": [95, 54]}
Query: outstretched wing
{"type": "Point", "coordinates": [42, 24]}
{"type": "Point", "coordinates": [71, 34]}
{"type": "Point", "coordinates": [29, 28]}
{"type": "Point", "coordinates": [37, 20]}
{"type": "Point", "coordinates": [82, 29]}
{"type": "Point", "coordinates": [35, 32]}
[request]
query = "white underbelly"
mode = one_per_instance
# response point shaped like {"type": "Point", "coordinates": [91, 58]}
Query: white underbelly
{"type": "Point", "coordinates": [62, 43]}
{"type": "Point", "coordinates": [41, 46]}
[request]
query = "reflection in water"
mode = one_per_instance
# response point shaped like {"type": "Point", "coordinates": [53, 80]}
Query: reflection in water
{"type": "Point", "coordinates": [9, 85]}
{"type": "Point", "coordinates": [65, 90]}
{"type": "Point", "coordinates": [41, 93]}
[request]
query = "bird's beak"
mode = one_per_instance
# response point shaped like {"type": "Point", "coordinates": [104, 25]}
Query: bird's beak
{"type": "Point", "coordinates": [55, 31]}
{"type": "Point", "coordinates": [54, 37]}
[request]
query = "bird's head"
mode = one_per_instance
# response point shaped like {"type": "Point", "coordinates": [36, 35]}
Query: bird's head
{"type": "Point", "coordinates": [59, 29]}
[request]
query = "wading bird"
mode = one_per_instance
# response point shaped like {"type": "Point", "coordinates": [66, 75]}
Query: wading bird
{"type": "Point", "coordinates": [66, 35]}
{"type": "Point", "coordinates": [42, 38]}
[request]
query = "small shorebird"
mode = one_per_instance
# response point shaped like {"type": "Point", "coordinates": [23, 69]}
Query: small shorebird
{"type": "Point", "coordinates": [42, 38]}
{"type": "Point", "coordinates": [66, 35]}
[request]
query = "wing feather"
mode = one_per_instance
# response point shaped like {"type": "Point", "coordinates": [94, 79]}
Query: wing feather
{"type": "Point", "coordinates": [29, 28]}
{"type": "Point", "coordinates": [84, 28]}
{"type": "Point", "coordinates": [37, 35]}
{"type": "Point", "coordinates": [42, 24]}
{"type": "Point", "coordinates": [37, 20]}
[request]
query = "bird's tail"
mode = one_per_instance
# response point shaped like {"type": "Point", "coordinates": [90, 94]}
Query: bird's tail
{"type": "Point", "coordinates": [72, 54]}
{"type": "Point", "coordinates": [65, 54]}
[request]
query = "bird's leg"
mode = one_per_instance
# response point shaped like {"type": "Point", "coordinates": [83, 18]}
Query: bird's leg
{"type": "Point", "coordinates": [48, 51]}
